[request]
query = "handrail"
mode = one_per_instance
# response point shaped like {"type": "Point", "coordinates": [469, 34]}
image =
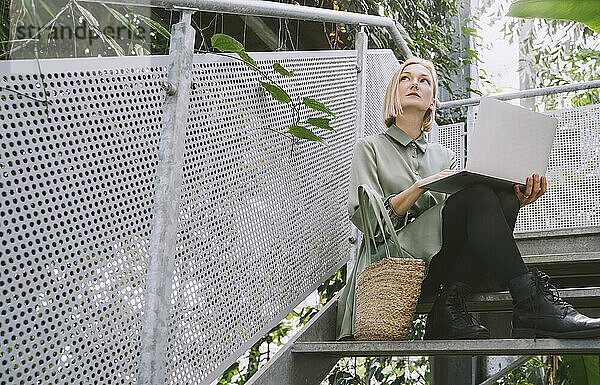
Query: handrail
{"type": "Point", "coordinates": [272, 9]}
{"type": "Point", "coordinates": [524, 94]}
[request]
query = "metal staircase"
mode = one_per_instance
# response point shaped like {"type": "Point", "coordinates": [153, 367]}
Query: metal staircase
{"type": "Point", "coordinates": [570, 257]}
{"type": "Point", "coordinates": [155, 228]}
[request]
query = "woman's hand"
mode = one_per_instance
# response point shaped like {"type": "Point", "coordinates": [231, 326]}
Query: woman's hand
{"type": "Point", "coordinates": [535, 188]}
{"type": "Point", "coordinates": [434, 177]}
{"type": "Point", "coordinates": [403, 201]}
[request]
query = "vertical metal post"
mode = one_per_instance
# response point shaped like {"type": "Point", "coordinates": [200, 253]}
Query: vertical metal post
{"type": "Point", "coordinates": [361, 98]}
{"type": "Point", "coordinates": [361, 81]}
{"type": "Point", "coordinates": [152, 366]}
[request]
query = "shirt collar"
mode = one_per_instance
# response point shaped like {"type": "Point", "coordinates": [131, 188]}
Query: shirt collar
{"type": "Point", "coordinates": [404, 139]}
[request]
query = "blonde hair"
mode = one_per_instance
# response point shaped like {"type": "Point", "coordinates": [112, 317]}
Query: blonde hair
{"type": "Point", "coordinates": [391, 103]}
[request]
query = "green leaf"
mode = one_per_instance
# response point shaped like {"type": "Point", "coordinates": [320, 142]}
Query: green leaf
{"type": "Point", "coordinates": [276, 92]}
{"type": "Point", "coordinates": [245, 57]}
{"type": "Point", "coordinates": [279, 68]}
{"type": "Point", "coordinates": [321, 123]}
{"type": "Point", "coordinates": [582, 370]}
{"type": "Point", "coordinates": [154, 25]}
{"type": "Point", "coordinates": [47, 9]}
{"type": "Point", "coordinates": [226, 43]}
{"type": "Point", "coordinates": [113, 43]}
{"type": "Point", "coordinates": [123, 20]}
{"type": "Point", "coordinates": [304, 133]}
{"type": "Point", "coordinates": [317, 106]}
{"type": "Point", "coordinates": [87, 16]}
{"type": "Point", "coordinates": [584, 11]}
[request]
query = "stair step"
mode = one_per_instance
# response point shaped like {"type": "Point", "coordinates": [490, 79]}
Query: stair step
{"type": "Point", "coordinates": [580, 298]}
{"type": "Point", "coordinates": [581, 239]}
{"type": "Point", "coordinates": [566, 264]}
{"type": "Point", "coordinates": [568, 270]}
{"type": "Point", "coordinates": [489, 347]}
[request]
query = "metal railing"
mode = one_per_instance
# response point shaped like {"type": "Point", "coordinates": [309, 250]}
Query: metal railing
{"type": "Point", "coordinates": [272, 9]}
{"type": "Point", "coordinates": [163, 238]}
{"type": "Point", "coordinates": [524, 94]}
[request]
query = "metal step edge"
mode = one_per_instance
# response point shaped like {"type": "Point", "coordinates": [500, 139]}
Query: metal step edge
{"type": "Point", "coordinates": [562, 258]}
{"type": "Point", "coordinates": [489, 347]}
{"type": "Point", "coordinates": [572, 266]}
{"type": "Point", "coordinates": [588, 297]}
{"type": "Point", "coordinates": [585, 239]}
{"type": "Point", "coordinates": [587, 230]}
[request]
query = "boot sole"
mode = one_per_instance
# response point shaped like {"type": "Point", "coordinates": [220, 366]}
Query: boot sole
{"type": "Point", "coordinates": [533, 333]}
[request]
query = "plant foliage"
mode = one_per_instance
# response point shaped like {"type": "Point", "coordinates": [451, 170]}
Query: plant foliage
{"type": "Point", "coordinates": [584, 11]}
{"type": "Point", "coordinates": [226, 43]}
{"type": "Point", "coordinates": [276, 92]}
{"type": "Point", "coordinates": [553, 52]}
{"type": "Point", "coordinates": [582, 370]}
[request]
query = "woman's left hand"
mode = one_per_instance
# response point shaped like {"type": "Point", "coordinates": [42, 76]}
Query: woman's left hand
{"type": "Point", "coordinates": [535, 188]}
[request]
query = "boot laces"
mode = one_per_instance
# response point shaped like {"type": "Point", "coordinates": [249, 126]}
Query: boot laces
{"type": "Point", "coordinates": [462, 310]}
{"type": "Point", "coordinates": [543, 285]}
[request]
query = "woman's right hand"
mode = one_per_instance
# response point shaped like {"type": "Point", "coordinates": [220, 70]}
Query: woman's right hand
{"type": "Point", "coordinates": [434, 177]}
{"type": "Point", "coordinates": [403, 201]}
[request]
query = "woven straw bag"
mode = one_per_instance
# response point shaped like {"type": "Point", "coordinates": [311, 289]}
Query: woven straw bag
{"type": "Point", "coordinates": [386, 291]}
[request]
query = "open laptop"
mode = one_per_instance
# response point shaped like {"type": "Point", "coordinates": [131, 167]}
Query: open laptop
{"type": "Point", "coordinates": [507, 144]}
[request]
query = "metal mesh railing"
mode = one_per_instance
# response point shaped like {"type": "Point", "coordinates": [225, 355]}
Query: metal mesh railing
{"type": "Point", "coordinates": [260, 225]}
{"type": "Point", "coordinates": [381, 65]}
{"type": "Point", "coordinates": [573, 197]}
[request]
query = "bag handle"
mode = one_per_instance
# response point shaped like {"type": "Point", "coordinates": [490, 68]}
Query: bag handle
{"type": "Point", "coordinates": [367, 198]}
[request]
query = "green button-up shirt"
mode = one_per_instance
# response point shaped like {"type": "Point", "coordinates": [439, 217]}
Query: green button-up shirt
{"type": "Point", "coordinates": [388, 164]}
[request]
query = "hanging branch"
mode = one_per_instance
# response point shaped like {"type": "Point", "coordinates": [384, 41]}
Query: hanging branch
{"type": "Point", "coordinates": [227, 44]}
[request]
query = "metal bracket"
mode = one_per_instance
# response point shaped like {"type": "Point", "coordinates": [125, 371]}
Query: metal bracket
{"type": "Point", "coordinates": [168, 87]}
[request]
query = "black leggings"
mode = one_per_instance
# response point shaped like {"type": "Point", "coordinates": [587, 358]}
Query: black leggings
{"type": "Point", "coordinates": [477, 231]}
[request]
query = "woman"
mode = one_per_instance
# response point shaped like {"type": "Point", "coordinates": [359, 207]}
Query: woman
{"type": "Point", "coordinates": [459, 236]}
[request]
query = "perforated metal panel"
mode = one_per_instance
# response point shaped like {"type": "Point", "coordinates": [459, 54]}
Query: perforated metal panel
{"type": "Point", "coordinates": [451, 136]}
{"type": "Point", "coordinates": [381, 66]}
{"type": "Point", "coordinates": [76, 192]}
{"type": "Point", "coordinates": [573, 196]}
{"type": "Point", "coordinates": [261, 225]}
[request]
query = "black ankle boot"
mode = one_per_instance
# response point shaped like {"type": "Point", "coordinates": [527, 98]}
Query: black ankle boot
{"type": "Point", "coordinates": [449, 319]}
{"type": "Point", "coordinates": [538, 311]}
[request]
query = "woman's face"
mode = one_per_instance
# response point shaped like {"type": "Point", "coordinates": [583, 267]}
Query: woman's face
{"type": "Point", "coordinates": [415, 88]}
